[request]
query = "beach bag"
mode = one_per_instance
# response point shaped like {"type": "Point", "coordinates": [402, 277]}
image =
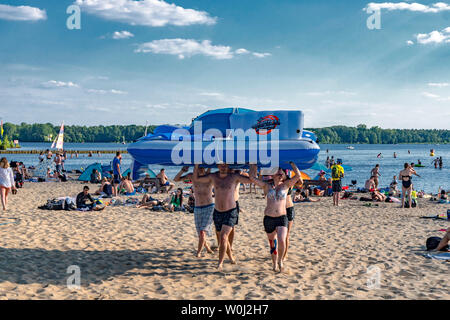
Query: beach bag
{"type": "Point", "coordinates": [413, 203]}
{"type": "Point", "coordinates": [53, 204]}
{"type": "Point", "coordinates": [433, 242]}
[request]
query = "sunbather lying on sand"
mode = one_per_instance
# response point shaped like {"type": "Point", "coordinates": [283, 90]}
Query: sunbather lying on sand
{"type": "Point", "coordinates": [378, 196]}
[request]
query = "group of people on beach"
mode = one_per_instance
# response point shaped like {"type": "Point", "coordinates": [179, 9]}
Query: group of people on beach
{"type": "Point", "coordinates": [216, 202]}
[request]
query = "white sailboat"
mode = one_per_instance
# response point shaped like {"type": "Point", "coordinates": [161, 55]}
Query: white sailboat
{"type": "Point", "coordinates": [58, 143]}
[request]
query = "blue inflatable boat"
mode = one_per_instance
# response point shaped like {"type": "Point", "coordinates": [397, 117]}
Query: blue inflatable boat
{"type": "Point", "coordinates": [234, 136]}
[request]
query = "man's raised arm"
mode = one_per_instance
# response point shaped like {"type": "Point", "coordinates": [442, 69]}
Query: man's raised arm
{"type": "Point", "coordinates": [203, 179]}
{"type": "Point", "coordinates": [179, 176]}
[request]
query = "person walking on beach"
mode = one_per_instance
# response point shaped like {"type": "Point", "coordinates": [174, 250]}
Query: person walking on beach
{"type": "Point", "coordinates": [225, 214]}
{"type": "Point", "coordinates": [116, 172]}
{"type": "Point", "coordinates": [405, 177]}
{"type": "Point", "coordinates": [375, 173]}
{"type": "Point", "coordinates": [337, 173]}
{"type": "Point", "coordinates": [203, 208]}
{"type": "Point", "coordinates": [7, 182]}
{"type": "Point", "coordinates": [275, 214]}
{"type": "Point", "coordinates": [290, 213]}
{"type": "Point", "coordinates": [58, 163]}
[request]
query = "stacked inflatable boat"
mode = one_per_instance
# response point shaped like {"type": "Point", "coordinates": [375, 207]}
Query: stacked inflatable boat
{"type": "Point", "coordinates": [234, 136]}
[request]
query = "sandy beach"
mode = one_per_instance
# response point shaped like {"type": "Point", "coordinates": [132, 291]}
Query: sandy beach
{"type": "Point", "coordinates": [130, 253]}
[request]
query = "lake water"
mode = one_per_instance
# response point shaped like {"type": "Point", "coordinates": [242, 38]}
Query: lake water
{"type": "Point", "coordinates": [362, 159]}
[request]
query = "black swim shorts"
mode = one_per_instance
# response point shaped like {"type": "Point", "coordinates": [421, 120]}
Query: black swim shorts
{"type": "Point", "coordinates": [290, 213]}
{"type": "Point", "coordinates": [337, 187]}
{"type": "Point", "coordinates": [271, 223]}
{"type": "Point", "coordinates": [227, 218]}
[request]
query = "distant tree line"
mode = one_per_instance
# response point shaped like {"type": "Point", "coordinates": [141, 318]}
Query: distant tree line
{"type": "Point", "coordinates": [375, 135]}
{"type": "Point", "coordinates": [48, 132]}
{"type": "Point", "coordinates": [332, 135]}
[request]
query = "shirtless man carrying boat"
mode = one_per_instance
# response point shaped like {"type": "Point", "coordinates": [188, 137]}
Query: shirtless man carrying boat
{"type": "Point", "coordinates": [225, 212]}
{"type": "Point", "coordinates": [204, 206]}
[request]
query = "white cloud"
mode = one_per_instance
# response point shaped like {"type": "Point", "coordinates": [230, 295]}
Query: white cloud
{"type": "Point", "coordinates": [430, 95]}
{"type": "Point", "coordinates": [439, 84]}
{"type": "Point", "coordinates": [212, 94]}
{"type": "Point", "coordinates": [59, 84]}
{"type": "Point", "coordinates": [242, 51]}
{"type": "Point", "coordinates": [100, 91]}
{"type": "Point", "coordinates": [410, 43]}
{"type": "Point", "coordinates": [415, 7]}
{"type": "Point", "coordinates": [152, 13]}
{"type": "Point", "coordinates": [118, 35]}
{"type": "Point", "coordinates": [324, 93]}
{"type": "Point", "coordinates": [113, 91]}
{"type": "Point", "coordinates": [186, 48]}
{"type": "Point", "coordinates": [261, 55]}
{"type": "Point", "coordinates": [21, 13]}
{"type": "Point", "coordinates": [435, 37]}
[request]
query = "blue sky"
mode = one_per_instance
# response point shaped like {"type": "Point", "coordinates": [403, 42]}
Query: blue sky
{"type": "Point", "coordinates": [166, 62]}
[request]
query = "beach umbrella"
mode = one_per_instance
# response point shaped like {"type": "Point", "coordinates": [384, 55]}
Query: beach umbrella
{"type": "Point", "coordinates": [302, 174]}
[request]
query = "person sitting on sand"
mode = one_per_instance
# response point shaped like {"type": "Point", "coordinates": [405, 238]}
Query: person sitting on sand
{"type": "Point", "coordinates": [275, 216]}
{"type": "Point", "coordinates": [445, 240]}
{"type": "Point", "coordinates": [370, 184]}
{"type": "Point", "coordinates": [95, 176]}
{"type": "Point", "coordinates": [164, 180]}
{"type": "Point", "coordinates": [393, 191]}
{"type": "Point", "coordinates": [127, 186]}
{"type": "Point", "coordinates": [83, 197]}
{"type": "Point", "coordinates": [378, 196]}
{"type": "Point", "coordinates": [147, 183]}
{"type": "Point", "coordinates": [322, 176]}
{"type": "Point", "coordinates": [106, 188]}
{"type": "Point", "coordinates": [176, 202]}
{"type": "Point", "coordinates": [148, 202]}
{"type": "Point", "coordinates": [443, 195]}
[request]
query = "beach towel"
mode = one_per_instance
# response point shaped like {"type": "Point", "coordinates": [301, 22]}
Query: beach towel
{"type": "Point", "coordinates": [445, 256]}
{"type": "Point", "coordinates": [434, 217]}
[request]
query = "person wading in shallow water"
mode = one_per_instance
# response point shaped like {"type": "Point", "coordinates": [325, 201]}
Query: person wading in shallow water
{"type": "Point", "coordinates": [225, 214]}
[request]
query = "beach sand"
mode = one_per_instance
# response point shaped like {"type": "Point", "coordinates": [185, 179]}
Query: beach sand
{"type": "Point", "coordinates": [130, 253]}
